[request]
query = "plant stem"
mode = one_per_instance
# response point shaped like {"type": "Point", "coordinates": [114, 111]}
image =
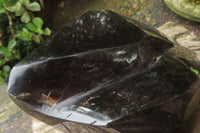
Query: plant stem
{"type": "Point", "coordinates": [42, 3]}
{"type": "Point", "coordinates": [10, 23]}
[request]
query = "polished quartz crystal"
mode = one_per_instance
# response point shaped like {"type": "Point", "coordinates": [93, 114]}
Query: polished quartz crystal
{"type": "Point", "coordinates": [103, 71]}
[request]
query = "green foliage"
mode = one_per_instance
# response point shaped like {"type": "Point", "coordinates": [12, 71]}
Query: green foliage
{"type": "Point", "coordinates": [4, 73]}
{"type": "Point", "coordinates": [20, 29]}
{"type": "Point", "coordinates": [22, 8]}
{"type": "Point", "coordinates": [8, 53]}
{"type": "Point", "coordinates": [194, 70]}
{"type": "Point", "coordinates": [33, 31]}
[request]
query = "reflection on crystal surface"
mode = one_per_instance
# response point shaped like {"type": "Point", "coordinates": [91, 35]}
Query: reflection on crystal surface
{"type": "Point", "coordinates": [75, 113]}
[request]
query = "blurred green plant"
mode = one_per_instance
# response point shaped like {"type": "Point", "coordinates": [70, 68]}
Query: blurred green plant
{"type": "Point", "coordinates": [194, 70]}
{"type": "Point", "coordinates": [19, 31]}
{"type": "Point", "coordinates": [4, 73]}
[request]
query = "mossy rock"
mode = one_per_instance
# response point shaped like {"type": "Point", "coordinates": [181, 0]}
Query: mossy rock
{"type": "Point", "coordinates": [189, 9]}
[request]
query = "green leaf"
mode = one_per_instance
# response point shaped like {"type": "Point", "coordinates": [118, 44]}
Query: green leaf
{"type": "Point", "coordinates": [10, 2]}
{"type": "Point", "coordinates": [25, 30]}
{"type": "Point", "coordinates": [2, 62]}
{"type": "Point", "coordinates": [32, 27]}
{"type": "Point", "coordinates": [47, 32]}
{"type": "Point", "coordinates": [24, 35]}
{"type": "Point", "coordinates": [11, 8]}
{"type": "Point", "coordinates": [6, 69]}
{"type": "Point", "coordinates": [1, 3]}
{"type": "Point", "coordinates": [26, 2]}
{"type": "Point", "coordinates": [36, 39]}
{"type": "Point", "coordinates": [3, 50]}
{"type": "Point", "coordinates": [18, 5]}
{"type": "Point", "coordinates": [25, 18]}
{"type": "Point", "coordinates": [20, 11]}
{"type": "Point", "coordinates": [12, 44]}
{"type": "Point", "coordinates": [34, 6]}
{"type": "Point", "coordinates": [14, 8]}
{"type": "Point", "coordinates": [2, 11]}
{"type": "Point", "coordinates": [194, 70]}
{"type": "Point", "coordinates": [38, 22]}
{"type": "Point", "coordinates": [17, 55]}
{"type": "Point", "coordinates": [8, 56]}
